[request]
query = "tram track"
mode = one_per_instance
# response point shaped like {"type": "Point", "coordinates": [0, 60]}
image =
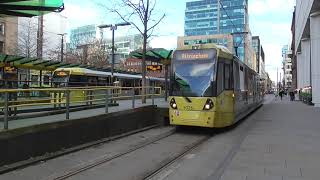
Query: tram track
{"type": "Point", "coordinates": [169, 162]}
{"type": "Point", "coordinates": [73, 173]}
{"type": "Point", "coordinates": [98, 162]}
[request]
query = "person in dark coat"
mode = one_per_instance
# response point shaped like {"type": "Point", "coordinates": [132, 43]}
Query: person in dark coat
{"type": "Point", "coordinates": [281, 93]}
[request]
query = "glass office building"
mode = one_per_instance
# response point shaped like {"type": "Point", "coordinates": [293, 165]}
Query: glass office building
{"type": "Point", "coordinates": [201, 18]}
{"type": "Point", "coordinates": [83, 35]}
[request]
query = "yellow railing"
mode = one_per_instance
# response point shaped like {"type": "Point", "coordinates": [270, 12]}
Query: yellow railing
{"type": "Point", "coordinates": [66, 97]}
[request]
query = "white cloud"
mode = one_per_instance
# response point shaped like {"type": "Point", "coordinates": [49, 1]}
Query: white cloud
{"type": "Point", "coordinates": [263, 7]}
{"type": "Point", "coordinates": [273, 59]}
{"type": "Point", "coordinates": [169, 42]}
{"type": "Point", "coordinates": [78, 15]}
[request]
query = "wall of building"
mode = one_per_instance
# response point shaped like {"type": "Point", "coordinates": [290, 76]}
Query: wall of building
{"type": "Point", "coordinates": [221, 39]}
{"type": "Point", "coordinates": [303, 8]}
{"type": "Point", "coordinates": [8, 35]}
{"type": "Point", "coordinates": [207, 17]}
{"type": "Point", "coordinates": [307, 43]}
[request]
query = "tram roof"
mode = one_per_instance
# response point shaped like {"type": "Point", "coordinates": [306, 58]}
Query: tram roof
{"type": "Point", "coordinates": [120, 75]}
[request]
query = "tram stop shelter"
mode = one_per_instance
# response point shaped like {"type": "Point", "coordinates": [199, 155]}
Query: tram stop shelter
{"type": "Point", "coordinates": [29, 8]}
{"type": "Point", "coordinates": [9, 64]}
{"type": "Point", "coordinates": [159, 55]}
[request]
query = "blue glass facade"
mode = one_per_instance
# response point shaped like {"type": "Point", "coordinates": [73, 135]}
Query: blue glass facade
{"type": "Point", "coordinates": [82, 35]}
{"type": "Point", "coordinates": [201, 18]}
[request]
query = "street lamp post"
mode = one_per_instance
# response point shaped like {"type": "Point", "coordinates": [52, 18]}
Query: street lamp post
{"type": "Point", "coordinates": [62, 43]}
{"type": "Point", "coordinates": [113, 27]}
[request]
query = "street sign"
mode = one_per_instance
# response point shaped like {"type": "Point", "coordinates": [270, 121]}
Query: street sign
{"type": "Point", "coordinates": [154, 68]}
{"type": "Point", "coordinates": [10, 69]}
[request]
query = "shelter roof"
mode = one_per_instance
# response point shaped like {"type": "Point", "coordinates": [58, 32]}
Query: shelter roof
{"type": "Point", "coordinates": [29, 8]}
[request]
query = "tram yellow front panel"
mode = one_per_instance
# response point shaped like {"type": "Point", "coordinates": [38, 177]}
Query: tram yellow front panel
{"type": "Point", "coordinates": [191, 118]}
{"type": "Point", "coordinates": [190, 111]}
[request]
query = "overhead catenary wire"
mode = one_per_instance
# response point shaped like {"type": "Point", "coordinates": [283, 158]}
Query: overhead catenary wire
{"type": "Point", "coordinates": [235, 27]}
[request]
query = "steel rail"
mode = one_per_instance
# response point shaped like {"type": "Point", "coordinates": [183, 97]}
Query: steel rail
{"type": "Point", "coordinates": [108, 159]}
{"type": "Point", "coordinates": [177, 158]}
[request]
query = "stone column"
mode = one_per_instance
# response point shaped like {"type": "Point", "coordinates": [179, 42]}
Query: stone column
{"type": "Point", "coordinates": [299, 70]}
{"type": "Point", "coordinates": [315, 56]}
{"type": "Point", "coordinates": [305, 50]}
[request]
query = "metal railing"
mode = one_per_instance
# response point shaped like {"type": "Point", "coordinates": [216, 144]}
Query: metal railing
{"type": "Point", "coordinates": [65, 98]}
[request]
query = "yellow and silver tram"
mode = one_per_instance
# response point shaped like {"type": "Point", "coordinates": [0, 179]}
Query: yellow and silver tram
{"type": "Point", "coordinates": [210, 87]}
{"type": "Point", "coordinates": [82, 77]}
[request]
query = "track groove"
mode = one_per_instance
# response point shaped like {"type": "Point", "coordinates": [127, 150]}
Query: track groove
{"type": "Point", "coordinates": [176, 158]}
{"type": "Point", "coordinates": [105, 160]}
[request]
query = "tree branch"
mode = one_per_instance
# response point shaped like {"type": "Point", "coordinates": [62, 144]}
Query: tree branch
{"type": "Point", "coordinates": [124, 19]}
{"type": "Point", "coordinates": [164, 15]}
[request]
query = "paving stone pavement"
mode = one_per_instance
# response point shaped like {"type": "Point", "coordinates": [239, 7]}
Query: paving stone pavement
{"type": "Point", "coordinates": [283, 144]}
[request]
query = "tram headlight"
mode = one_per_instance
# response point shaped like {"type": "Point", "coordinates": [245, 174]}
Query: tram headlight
{"type": "Point", "coordinates": [208, 105]}
{"type": "Point", "coordinates": [173, 104]}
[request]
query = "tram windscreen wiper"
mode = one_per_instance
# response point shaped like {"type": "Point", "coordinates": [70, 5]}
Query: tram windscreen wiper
{"type": "Point", "coordinates": [188, 99]}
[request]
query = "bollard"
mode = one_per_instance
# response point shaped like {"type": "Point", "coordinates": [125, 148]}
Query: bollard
{"type": "Point", "coordinates": [152, 96]}
{"type": "Point", "coordinates": [67, 104]}
{"type": "Point", "coordinates": [133, 98]}
{"type": "Point", "coordinates": [107, 100]}
{"type": "Point", "coordinates": [6, 104]}
{"type": "Point", "coordinates": [54, 100]}
{"type": "Point", "coordinates": [91, 97]}
{"type": "Point", "coordinates": [87, 97]}
{"type": "Point", "coordinates": [59, 99]}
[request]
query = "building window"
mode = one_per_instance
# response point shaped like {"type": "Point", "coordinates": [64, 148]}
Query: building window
{"type": "Point", "coordinates": [1, 28]}
{"type": "Point", "coordinates": [1, 47]}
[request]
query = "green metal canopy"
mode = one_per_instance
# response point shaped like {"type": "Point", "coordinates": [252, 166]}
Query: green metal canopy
{"type": "Point", "coordinates": [29, 63]}
{"type": "Point", "coordinates": [29, 8]}
{"type": "Point", "coordinates": [159, 55]}
{"type": "Point", "coordinates": [41, 64]}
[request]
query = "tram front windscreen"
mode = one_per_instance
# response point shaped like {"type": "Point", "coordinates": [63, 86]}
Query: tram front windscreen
{"type": "Point", "coordinates": [193, 73]}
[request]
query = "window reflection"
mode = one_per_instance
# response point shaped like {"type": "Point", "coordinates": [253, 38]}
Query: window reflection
{"type": "Point", "coordinates": [193, 78]}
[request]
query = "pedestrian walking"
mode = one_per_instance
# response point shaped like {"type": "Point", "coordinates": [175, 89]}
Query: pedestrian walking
{"type": "Point", "coordinates": [291, 94]}
{"type": "Point", "coordinates": [281, 93]}
{"type": "Point", "coordinates": [26, 86]}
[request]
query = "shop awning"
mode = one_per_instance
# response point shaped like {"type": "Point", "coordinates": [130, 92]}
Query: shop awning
{"type": "Point", "coordinates": [29, 8]}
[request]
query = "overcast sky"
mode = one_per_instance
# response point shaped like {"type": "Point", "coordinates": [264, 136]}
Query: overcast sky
{"type": "Point", "coordinates": [269, 19]}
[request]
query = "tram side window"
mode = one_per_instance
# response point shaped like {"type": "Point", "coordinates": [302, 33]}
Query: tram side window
{"type": "Point", "coordinates": [92, 81]}
{"type": "Point", "coordinates": [236, 76]}
{"type": "Point", "coordinates": [77, 81]}
{"type": "Point", "coordinates": [34, 79]}
{"type": "Point", "coordinates": [228, 82]}
{"type": "Point", "coordinates": [46, 80]}
{"type": "Point", "coordinates": [220, 81]}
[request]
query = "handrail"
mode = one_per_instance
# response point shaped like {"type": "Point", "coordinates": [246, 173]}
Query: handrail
{"type": "Point", "coordinates": [63, 97]}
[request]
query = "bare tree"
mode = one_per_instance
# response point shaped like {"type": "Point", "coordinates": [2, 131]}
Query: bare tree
{"type": "Point", "coordinates": [141, 14]}
{"type": "Point", "coordinates": [27, 42]}
{"type": "Point", "coordinates": [97, 54]}
{"type": "Point", "coordinates": [27, 39]}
